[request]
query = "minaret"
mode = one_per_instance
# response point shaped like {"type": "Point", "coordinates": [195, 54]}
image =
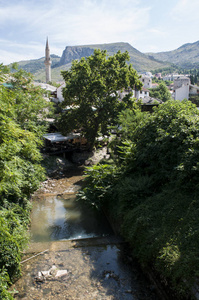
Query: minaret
{"type": "Point", "coordinates": [47, 62]}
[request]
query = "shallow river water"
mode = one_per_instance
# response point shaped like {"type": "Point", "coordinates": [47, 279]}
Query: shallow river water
{"type": "Point", "coordinates": [73, 252]}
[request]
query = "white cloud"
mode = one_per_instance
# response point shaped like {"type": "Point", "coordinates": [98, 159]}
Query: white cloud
{"type": "Point", "coordinates": [69, 23]}
{"type": "Point", "coordinates": [95, 22]}
{"type": "Point", "coordinates": [79, 21]}
{"type": "Point", "coordinates": [185, 11]}
{"type": "Point", "coordinates": [146, 25]}
{"type": "Point", "coordinates": [156, 31]}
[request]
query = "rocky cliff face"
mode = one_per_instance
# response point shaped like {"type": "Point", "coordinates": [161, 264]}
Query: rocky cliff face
{"type": "Point", "coordinates": [71, 53]}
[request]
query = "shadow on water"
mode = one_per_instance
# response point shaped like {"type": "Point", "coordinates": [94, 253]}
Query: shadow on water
{"type": "Point", "coordinates": [116, 273]}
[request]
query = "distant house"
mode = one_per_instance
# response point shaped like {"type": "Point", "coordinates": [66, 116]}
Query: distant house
{"type": "Point", "coordinates": [149, 74]}
{"type": "Point", "coordinates": [142, 94]}
{"type": "Point", "coordinates": [181, 81]}
{"type": "Point", "coordinates": [147, 102]}
{"type": "Point", "coordinates": [173, 76]}
{"type": "Point", "coordinates": [146, 81]}
{"type": "Point", "coordinates": [125, 92]}
{"type": "Point", "coordinates": [60, 97]}
{"type": "Point", "coordinates": [183, 89]}
{"type": "Point", "coordinates": [194, 94]}
{"type": "Point", "coordinates": [181, 93]}
{"type": "Point", "coordinates": [158, 75]}
{"type": "Point", "coordinates": [168, 77]}
{"type": "Point", "coordinates": [193, 90]}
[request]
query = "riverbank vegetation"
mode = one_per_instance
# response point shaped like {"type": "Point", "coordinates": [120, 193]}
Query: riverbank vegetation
{"type": "Point", "coordinates": [22, 111]}
{"type": "Point", "coordinates": [150, 188]}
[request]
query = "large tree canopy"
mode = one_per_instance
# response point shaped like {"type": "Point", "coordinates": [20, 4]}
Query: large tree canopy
{"type": "Point", "coordinates": [91, 99]}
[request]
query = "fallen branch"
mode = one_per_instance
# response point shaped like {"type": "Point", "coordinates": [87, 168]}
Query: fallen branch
{"type": "Point", "coordinates": [34, 256]}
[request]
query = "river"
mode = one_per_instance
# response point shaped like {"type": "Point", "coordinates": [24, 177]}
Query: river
{"type": "Point", "coordinates": [73, 253]}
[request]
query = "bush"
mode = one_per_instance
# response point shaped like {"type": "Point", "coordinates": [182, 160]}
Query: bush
{"type": "Point", "coordinates": [4, 281]}
{"type": "Point", "coordinates": [98, 182]}
{"type": "Point", "coordinates": [13, 238]}
{"type": "Point", "coordinates": [152, 190]}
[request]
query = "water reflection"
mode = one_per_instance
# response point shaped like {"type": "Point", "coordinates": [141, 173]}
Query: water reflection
{"type": "Point", "coordinates": [62, 217]}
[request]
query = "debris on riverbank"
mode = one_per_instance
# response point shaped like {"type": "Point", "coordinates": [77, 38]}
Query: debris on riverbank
{"type": "Point", "coordinates": [97, 271]}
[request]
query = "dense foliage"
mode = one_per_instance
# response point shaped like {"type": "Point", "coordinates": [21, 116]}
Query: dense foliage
{"type": "Point", "coordinates": [91, 93]}
{"type": "Point", "coordinates": [150, 187]}
{"type": "Point", "coordinates": [169, 70]}
{"type": "Point", "coordinates": [161, 92]}
{"type": "Point", "coordinates": [194, 76]}
{"type": "Point", "coordinates": [22, 110]}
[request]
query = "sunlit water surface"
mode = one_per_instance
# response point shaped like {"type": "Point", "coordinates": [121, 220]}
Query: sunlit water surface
{"type": "Point", "coordinates": [62, 217]}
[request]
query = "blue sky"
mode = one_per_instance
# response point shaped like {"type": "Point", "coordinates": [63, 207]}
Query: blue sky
{"type": "Point", "coordinates": [148, 25]}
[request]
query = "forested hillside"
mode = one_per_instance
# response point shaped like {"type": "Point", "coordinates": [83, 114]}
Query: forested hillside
{"type": "Point", "coordinates": [186, 56]}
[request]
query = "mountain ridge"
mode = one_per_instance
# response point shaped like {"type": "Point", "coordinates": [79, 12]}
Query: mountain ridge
{"type": "Point", "coordinates": [139, 60]}
{"type": "Point", "coordinates": [186, 56]}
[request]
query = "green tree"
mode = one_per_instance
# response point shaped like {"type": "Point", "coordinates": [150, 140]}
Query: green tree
{"type": "Point", "coordinates": [161, 92]}
{"type": "Point", "coordinates": [166, 144]}
{"type": "Point", "coordinates": [91, 98]}
{"type": "Point", "coordinates": [151, 190]}
{"type": "Point", "coordinates": [30, 107]}
{"type": "Point", "coordinates": [22, 110]}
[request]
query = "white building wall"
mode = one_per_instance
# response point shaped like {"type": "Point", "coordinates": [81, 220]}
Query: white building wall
{"type": "Point", "coordinates": [180, 81]}
{"type": "Point", "coordinates": [60, 97]}
{"type": "Point", "coordinates": [168, 77]}
{"type": "Point", "coordinates": [123, 93]}
{"type": "Point", "coordinates": [142, 94]}
{"type": "Point", "coordinates": [182, 93]}
{"type": "Point", "coordinates": [193, 89]}
{"type": "Point", "coordinates": [147, 81]}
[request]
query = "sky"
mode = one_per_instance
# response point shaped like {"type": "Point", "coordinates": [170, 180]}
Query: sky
{"type": "Point", "coordinates": [147, 25]}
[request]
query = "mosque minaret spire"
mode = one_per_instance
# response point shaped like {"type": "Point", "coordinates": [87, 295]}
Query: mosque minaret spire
{"type": "Point", "coordinates": [47, 62]}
